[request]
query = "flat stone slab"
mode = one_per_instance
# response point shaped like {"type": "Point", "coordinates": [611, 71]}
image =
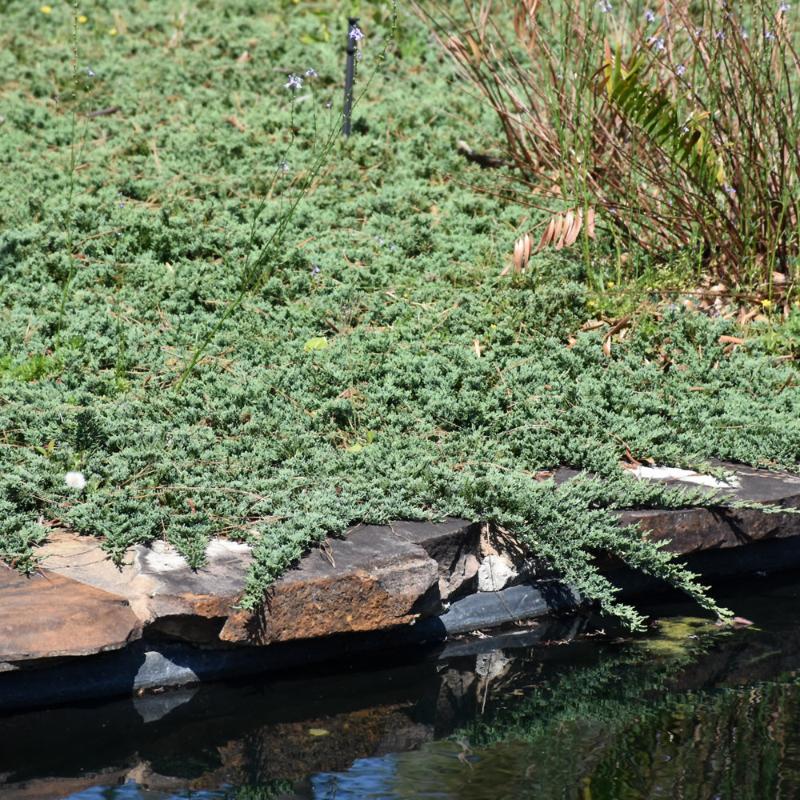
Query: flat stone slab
{"type": "Point", "coordinates": [164, 592]}
{"type": "Point", "coordinates": [50, 616]}
{"type": "Point", "coordinates": [375, 578]}
{"type": "Point", "coordinates": [690, 530]}
{"type": "Point", "coordinates": [395, 582]}
{"type": "Point", "coordinates": [515, 604]}
{"type": "Point", "coordinates": [371, 580]}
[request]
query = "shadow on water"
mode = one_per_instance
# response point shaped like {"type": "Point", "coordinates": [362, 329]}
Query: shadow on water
{"type": "Point", "coordinates": [690, 711]}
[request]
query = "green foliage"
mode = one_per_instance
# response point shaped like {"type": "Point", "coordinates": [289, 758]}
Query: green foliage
{"type": "Point", "coordinates": [388, 260]}
{"type": "Point", "coordinates": [678, 126]}
{"type": "Point", "coordinates": [658, 115]}
{"type": "Point", "coordinates": [32, 368]}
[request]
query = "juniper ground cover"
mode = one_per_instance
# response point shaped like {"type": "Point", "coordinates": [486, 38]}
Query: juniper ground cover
{"type": "Point", "coordinates": [380, 367]}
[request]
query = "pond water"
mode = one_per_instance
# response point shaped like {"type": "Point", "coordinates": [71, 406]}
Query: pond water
{"type": "Point", "coordinates": [564, 710]}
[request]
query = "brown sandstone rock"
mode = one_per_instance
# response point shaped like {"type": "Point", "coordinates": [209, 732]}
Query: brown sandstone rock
{"type": "Point", "coordinates": [163, 591]}
{"type": "Point", "coordinates": [369, 581]}
{"type": "Point", "coordinates": [48, 615]}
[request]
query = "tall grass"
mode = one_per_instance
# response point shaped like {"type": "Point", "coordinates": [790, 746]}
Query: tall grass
{"type": "Point", "coordinates": [675, 127]}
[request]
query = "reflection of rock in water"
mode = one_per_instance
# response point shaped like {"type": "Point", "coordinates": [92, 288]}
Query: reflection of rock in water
{"type": "Point", "coordinates": [454, 704]}
{"type": "Point", "coordinates": [291, 751]}
{"type": "Point", "coordinates": [153, 707]}
{"type": "Point", "coordinates": [491, 665]}
{"type": "Point", "coordinates": [400, 740]}
{"type": "Point", "coordinates": [325, 744]}
{"type": "Point", "coordinates": [612, 700]}
{"type": "Point", "coordinates": [204, 737]}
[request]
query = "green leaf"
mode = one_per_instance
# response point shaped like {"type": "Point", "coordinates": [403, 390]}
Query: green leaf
{"type": "Point", "coordinates": [315, 343]}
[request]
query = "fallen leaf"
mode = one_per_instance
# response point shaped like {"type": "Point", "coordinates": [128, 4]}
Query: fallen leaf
{"type": "Point", "coordinates": [593, 324]}
{"type": "Point", "coordinates": [315, 343]}
{"type": "Point", "coordinates": [236, 123]}
{"type": "Point", "coordinates": [731, 340]}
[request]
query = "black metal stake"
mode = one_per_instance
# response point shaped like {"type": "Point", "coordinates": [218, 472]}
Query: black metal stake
{"type": "Point", "coordinates": [349, 75]}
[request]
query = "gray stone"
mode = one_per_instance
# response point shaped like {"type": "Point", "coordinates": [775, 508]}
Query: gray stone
{"type": "Point", "coordinates": [454, 544]}
{"type": "Point", "coordinates": [691, 530]}
{"type": "Point", "coordinates": [375, 578]}
{"type": "Point", "coordinates": [160, 587]}
{"type": "Point", "coordinates": [495, 573]}
{"type": "Point", "coordinates": [515, 604]}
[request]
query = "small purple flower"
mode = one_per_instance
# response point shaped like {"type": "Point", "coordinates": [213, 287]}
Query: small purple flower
{"type": "Point", "coordinates": [729, 190]}
{"type": "Point", "coordinates": [294, 83]}
{"type": "Point", "coordinates": [680, 70]}
{"type": "Point", "coordinates": [783, 8]}
{"type": "Point", "coordinates": [769, 36]}
{"type": "Point", "coordinates": [657, 43]}
{"type": "Point", "coordinates": [284, 167]}
{"type": "Point", "coordinates": [90, 73]}
{"type": "Point", "coordinates": [650, 15]}
{"type": "Point", "coordinates": [311, 73]}
{"type": "Point", "coordinates": [720, 36]}
{"type": "Point", "coordinates": [605, 6]}
{"type": "Point", "coordinates": [356, 34]}
{"type": "Point", "coordinates": [315, 270]}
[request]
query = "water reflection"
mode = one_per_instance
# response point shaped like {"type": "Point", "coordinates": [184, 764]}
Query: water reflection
{"type": "Point", "coordinates": [691, 713]}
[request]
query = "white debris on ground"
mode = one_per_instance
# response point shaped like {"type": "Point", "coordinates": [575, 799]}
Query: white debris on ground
{"type": "Point", "coordinates": [684, 476]}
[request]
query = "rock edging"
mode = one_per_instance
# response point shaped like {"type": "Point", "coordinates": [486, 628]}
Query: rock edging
{"type": "Point", "coordinates": [396, 582]}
